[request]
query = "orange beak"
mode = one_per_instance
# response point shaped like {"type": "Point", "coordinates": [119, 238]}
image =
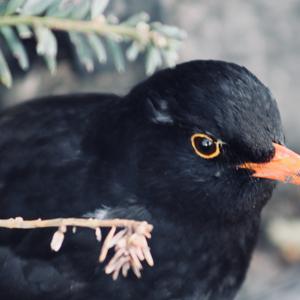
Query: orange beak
{"type": "Point", "coordinates": [284, 166]}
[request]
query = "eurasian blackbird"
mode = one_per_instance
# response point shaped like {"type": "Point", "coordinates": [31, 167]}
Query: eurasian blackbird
{"type": "Point", "coordinates": [194, 150]}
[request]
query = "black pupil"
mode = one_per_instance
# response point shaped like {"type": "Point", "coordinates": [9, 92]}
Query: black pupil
{"type": "Point", "coordinates": [205, 145]}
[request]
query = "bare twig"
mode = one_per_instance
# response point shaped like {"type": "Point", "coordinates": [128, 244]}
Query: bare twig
{"type": "Point", "coordinates": [19, 223]}
{"type": "Point", "coordinates": [130, 244]}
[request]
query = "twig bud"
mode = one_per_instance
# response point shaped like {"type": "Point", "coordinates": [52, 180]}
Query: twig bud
{"type": "Point", "coordinates": [57, 240]}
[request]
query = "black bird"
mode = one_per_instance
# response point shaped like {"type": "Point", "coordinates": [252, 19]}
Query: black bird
{"type": "Point", "coordinates": [194, 150]}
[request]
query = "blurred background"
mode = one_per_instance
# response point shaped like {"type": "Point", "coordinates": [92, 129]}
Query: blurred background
{"type": "Point", "coordinates": [262, 35]}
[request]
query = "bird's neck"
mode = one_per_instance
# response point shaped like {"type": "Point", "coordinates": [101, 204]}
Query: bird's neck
{"type": "Point", "coordinates": [216, 254]}
{"type": "Point", "coordinates": [224, 252]}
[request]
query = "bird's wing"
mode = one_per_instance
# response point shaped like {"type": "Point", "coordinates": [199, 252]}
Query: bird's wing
{"type": "Point", "coordinates": [45, 170]}
{"type": "Point", "coordinates": [49, 170]}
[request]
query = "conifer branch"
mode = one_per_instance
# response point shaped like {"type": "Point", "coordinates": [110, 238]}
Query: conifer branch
{"type": "Point", "coordinates": [93, 35]}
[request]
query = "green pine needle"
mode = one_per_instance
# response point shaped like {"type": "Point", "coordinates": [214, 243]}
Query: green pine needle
{"type": "Point", "coordinates": [86, 25]}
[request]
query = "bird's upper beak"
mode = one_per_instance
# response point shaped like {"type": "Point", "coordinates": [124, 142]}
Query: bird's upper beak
{"type": "Point", "coordinates": [284, 166]}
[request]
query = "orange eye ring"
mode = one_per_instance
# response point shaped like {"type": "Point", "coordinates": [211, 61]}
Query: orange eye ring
{"type": "Point", "coordinates": [205, 146]}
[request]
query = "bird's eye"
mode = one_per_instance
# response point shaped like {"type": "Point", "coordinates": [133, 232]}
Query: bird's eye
{"type": "Point", "coordinates": [205, 146]}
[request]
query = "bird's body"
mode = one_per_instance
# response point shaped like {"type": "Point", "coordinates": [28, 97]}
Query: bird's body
{"type": "Point", "coordinates": [130, 157]}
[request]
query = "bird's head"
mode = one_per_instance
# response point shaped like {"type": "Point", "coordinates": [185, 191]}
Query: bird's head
{"type": "Point", "coordinates": [213, 139]}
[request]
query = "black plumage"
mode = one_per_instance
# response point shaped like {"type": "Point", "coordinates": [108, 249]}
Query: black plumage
{"type": "Point", "coordinates": [131, 157]}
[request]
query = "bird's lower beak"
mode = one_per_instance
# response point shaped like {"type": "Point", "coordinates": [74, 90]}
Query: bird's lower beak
{"type": "Point", "coordinates": [284, 166]}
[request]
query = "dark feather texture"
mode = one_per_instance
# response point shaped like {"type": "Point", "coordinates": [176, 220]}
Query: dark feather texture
{"type": "Point", "coordinates": [131, 157]}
